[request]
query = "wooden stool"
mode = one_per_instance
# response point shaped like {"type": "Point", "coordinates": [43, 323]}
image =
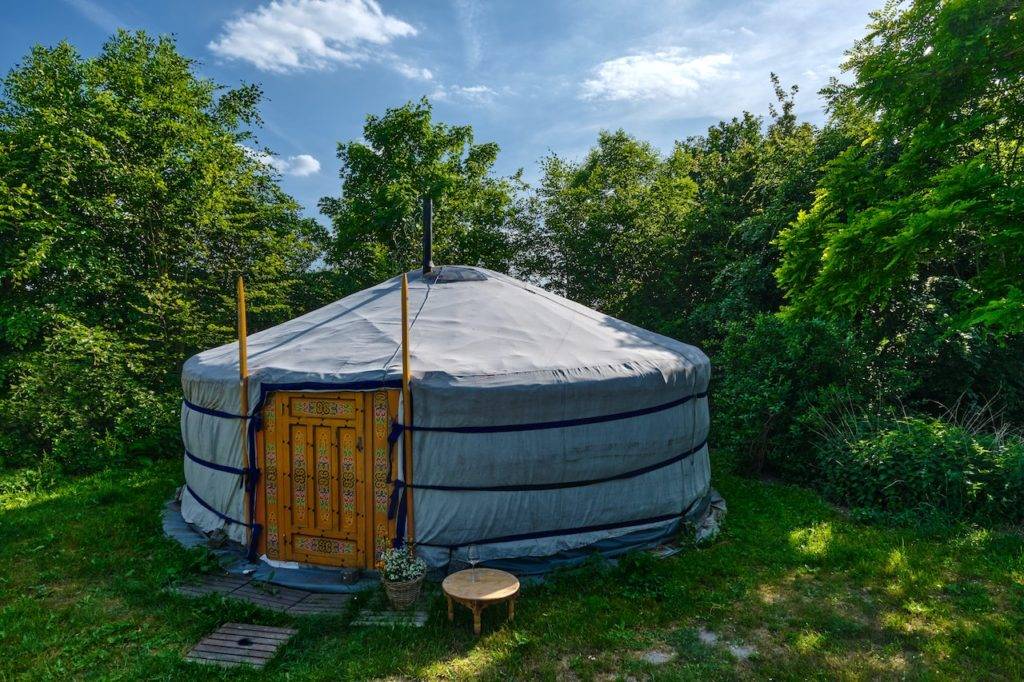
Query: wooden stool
{"type": "Point", "coordinates": [478, 588]}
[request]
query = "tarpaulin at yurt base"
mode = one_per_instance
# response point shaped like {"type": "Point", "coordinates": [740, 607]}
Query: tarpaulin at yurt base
{"type": "Point", "coordinates": [540, 431]}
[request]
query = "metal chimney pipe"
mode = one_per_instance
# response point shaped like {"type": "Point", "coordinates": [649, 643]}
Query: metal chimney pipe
{"type": "Point", "coordinates": [428, 219]}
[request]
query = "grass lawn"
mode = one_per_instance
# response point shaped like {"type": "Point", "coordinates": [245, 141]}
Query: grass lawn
{"type": "Point", "coordinates": [83, 567]}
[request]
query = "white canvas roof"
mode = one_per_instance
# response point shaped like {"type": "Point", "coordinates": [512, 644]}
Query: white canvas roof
{"type": "Point", "coordinates": [468, 325]}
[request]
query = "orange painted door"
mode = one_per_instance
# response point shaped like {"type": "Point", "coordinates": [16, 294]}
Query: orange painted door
{"type": "Point", "coordinates": [314, 467]}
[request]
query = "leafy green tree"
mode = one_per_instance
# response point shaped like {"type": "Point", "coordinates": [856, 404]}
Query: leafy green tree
{"type": "Point", "coordinates": [752, 179]}
{"type": "Point", "coordinates": [682, 243]}
{"type": "Point", "coordinates": [610, 220]}
{"type": "Point", "coordinates": [128, 205]}
{"type": "Point", "coordinates": [403, 157]}
{"type": "Point", "coordinates": [927, 203]}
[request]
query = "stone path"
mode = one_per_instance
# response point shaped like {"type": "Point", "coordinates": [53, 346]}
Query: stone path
{"type": "Point", "coordinates": [211, 584]}
{"type": "Point", "coordinates": [234, 644]}
{"type": "Point", "coordinates": [299, 602]}
{"type": "Point", "coordinates": [283, 599]}
{"type": "Point", "coordinates": [390, 617]}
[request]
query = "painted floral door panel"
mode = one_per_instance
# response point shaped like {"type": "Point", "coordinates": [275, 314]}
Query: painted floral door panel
{"type": "Point", "coordinates": [324, 479]}
{"type": "Point", "coordinates": [313, 459]}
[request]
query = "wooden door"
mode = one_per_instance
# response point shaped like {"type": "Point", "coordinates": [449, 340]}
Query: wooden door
{"type": "Point", "coordinates": [313, 472]}
{"type": "Point", "coordinates": [339, 515]}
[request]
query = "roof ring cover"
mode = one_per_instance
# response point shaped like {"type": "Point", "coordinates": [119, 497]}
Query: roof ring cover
{"type": "Point", "coordinates": [450, 274]}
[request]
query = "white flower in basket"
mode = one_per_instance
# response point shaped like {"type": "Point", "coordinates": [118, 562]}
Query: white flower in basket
{"type": "Point", "coordinates": [402, 573]}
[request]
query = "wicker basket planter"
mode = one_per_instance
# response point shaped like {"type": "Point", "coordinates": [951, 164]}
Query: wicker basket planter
{"type": "Point", "coordinates": [402, 594]}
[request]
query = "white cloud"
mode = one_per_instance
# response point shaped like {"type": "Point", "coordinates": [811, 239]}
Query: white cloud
{"type": "Point", "coordinates": [663, 75]}
{"type": "Point", "coordinates": [299, 165]}
{"type": "Point", "coordinates": [292, 35]}
{"type": "Point", "coordinates": [302, 165]}
{"type": "Point", "coordinates": [474, 94]}
{"type": "Point", "coordinates": [413, 72]}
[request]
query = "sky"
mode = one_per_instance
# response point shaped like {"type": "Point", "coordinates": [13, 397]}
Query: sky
{"type": "Point", "coordinates": [535, 76]}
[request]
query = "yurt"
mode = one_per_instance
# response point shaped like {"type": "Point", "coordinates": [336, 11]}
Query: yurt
{"type": "Point", "coordinates": [537, 431]}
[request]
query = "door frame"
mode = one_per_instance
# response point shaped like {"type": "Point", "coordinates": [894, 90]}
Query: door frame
{"type": "Point", "coordinates": [375, 531]}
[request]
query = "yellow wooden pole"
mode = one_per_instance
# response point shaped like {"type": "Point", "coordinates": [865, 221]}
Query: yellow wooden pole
{"type": "Point", "coordinates": [243, 376]}
{"type": "Point", "coordinates": [407, 408]}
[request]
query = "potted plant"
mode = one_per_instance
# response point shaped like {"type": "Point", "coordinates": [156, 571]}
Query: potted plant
{"type": "Point", "coordinates": [402, 573]}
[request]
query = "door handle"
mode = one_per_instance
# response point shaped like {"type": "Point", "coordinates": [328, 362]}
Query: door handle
{"type": "Point", "coordinates": [359, 443]}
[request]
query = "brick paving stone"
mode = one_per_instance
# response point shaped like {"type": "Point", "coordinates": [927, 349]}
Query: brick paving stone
{"type": "Point", "coordinates": [389, 617]}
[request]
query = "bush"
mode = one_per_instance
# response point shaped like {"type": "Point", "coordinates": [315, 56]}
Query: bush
{"type": "Point", "coordinates": [924, 466]}
{"type": "Point", "coordinates": [81, 401]}
{"type": "Point", "coordinates": [772, 374]}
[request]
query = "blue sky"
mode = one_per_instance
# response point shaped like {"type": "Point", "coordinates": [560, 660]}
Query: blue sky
{"type": "Point", "coordinates": [536, 76]}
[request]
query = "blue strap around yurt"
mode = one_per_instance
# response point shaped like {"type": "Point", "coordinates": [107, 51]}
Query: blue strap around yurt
{"type": "Point", "coordinates": [695, 509]}
{"type": "Point", "coordinates": [206, 505]}
{"type": "Point", "coordinates": [210, 411]}
{"type": "Point", "coordinates": [213, 465]}
{"type": "Point", "coordinates": [528, 487]}
{"type": "Point", "coordinates": [557, 532]}
{"type": "Point", "coordinates": [559, 424]}
{"type": "Point", "coordinates": [497, 428]}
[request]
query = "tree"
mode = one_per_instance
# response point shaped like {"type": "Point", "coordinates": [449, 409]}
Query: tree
{"type": "Point", "coordinates": [682, 243]}
{"type": "Point", "coordinates": [609, 222]}
{"type": "Point", "coordinates": [404, 156]}
{"type": "Point", "coordinates": [128, 205]}
{"type": "Point", "coordinates": [753, 178]}
{"type": "Point", "coordinates": [928, 202]}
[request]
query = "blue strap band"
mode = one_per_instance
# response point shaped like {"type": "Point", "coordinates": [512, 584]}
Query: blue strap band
{"type": "Point", "coordinates": [560, 531]}
{"type": "Point", "coordinates": [557, 486]}
{"type": "Point", "coordinates": [400, 523]}
{"type": "Point", "coordinates": [500, 428]}
{"type": "Point", "coordinates": [220, 514]}
{"type": "Point", "coordinates": [560, 424]}
{"type": "Point", "coordinates": [213, 413]}
{"type": "Point", "coordinates": [213, 465]}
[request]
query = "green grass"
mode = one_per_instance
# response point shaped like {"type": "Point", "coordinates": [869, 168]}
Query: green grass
{"type": "Point", "coordinates": [82, 567]}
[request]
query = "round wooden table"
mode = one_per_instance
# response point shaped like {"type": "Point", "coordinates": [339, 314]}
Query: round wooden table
{"type": "Point", "coordinates": [478, 588]}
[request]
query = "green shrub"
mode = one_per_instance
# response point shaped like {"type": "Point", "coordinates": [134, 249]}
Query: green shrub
{"type": "Point", "coordinates": [81, 401]}
{"type": "Point", "coordinates": [924, 466]}
{"type": "Point", "coordinates": [771, 375]}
